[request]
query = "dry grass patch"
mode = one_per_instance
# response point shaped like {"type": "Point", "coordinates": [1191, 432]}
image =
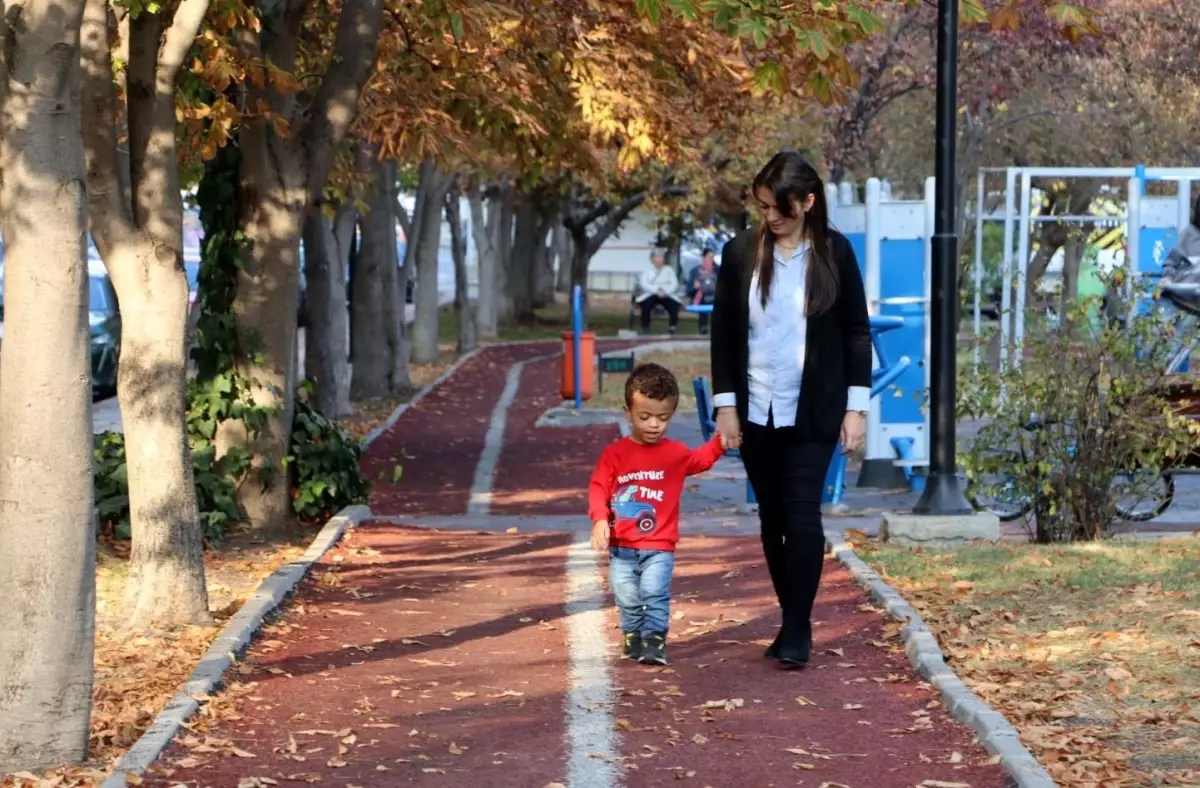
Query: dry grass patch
{"type": "Point", "coordinates": [136, 674]}
{"type": "Point", "coordinates": [1091, 650]}
{"type": "Point", "coordinates": [686, 364]}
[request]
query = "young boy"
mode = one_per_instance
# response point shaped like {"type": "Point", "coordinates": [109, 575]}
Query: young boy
{"type": "Point", "coordinates": [633, 501]}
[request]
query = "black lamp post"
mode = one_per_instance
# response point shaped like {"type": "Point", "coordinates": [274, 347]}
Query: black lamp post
{"type": "Point", "coordinates": [943, 491]}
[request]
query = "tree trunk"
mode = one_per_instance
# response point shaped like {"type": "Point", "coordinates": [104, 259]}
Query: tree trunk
{"type": "Point", "coordinates": [139, 234]}
{"type": "Point", "coordinates": [395, 284]}
{"type": "Point", "coordinates": [283, 177]}
{"type": "Point", "coordinates": [525, 259]}
{"type": "Point", "coordinates": [504, 247]}
{"type": "Point", "coordinates": [325, 338]}
{"type": "Point", "coordinates": [429, 237]}
{"type": "Point", "coordinates": [488, 252]}
{"type": "Point", "coordinates": [462, 300]}
{"type": "Point", "coordinates": [372, 348]}
{"type": "Point", "coordinates": [543, 284]}
{"type": "Point", "coordinates": [47, 543]}
{"type": "Point", "coordinates": [561, 240]}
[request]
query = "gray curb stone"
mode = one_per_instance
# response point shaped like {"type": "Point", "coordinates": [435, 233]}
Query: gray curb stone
{"type": "Point", "coordinates": [224, 650]}
{"type": "Point", "coordinates": [994, 731]}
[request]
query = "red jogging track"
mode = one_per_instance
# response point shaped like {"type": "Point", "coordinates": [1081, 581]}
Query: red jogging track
{"type": "Point", "coordinates": [424, 657]}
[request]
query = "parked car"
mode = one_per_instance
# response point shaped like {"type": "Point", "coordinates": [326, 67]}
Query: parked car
{"type": "Point", "coordinates": [104, 321]}
{"type": "Point", "coordinates": [104, 325]}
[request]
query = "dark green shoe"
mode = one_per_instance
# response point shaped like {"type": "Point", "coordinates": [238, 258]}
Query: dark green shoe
{"type": "Point", "coordinates": [654, 649]}
{"type": "Point", "coordinates": [633, 646]}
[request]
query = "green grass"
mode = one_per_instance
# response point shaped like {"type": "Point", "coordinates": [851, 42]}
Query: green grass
{"type": "Point", "coordinates": [606, 316]}
{"type": "Point", "coordinates": [686, 364]}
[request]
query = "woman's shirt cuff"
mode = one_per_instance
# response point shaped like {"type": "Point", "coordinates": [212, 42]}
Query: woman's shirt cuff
{"type": "Point", "coordinates": [858, 398]}
{"type": "Point", "coordinates": [725, 401]}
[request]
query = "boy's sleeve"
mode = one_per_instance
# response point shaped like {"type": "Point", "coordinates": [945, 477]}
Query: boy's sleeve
{"type": "Point", "coordinates": [701, 459]}
{"type": "Point", "coordinates": [600, 487]}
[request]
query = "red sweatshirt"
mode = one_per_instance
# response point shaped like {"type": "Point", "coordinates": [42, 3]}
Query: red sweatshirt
{"type": "Point", "coordinates": [636, 487]}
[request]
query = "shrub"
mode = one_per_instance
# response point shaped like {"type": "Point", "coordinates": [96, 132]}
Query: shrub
{"type": "Point", "coordinates": [324, 467]}
{"type": "Point", "coordinates": [1108, 424]}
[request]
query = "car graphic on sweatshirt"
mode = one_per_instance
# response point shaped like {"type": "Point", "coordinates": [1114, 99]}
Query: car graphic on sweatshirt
{"type": "Point", "coordinates": [627, 509]}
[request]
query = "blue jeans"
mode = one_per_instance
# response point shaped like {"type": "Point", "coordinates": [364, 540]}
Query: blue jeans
{"type": "Point", "coordinates": [641, 584]}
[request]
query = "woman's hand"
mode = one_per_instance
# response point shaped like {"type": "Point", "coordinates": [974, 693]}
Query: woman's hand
{"type": "Point", "coordinates": [854, 432]}
{"type": "Point", "coordinates": [729, 428]}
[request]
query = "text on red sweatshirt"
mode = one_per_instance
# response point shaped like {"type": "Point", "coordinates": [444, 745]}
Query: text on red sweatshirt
{"type": "Point", "coordinates": [636, 487]}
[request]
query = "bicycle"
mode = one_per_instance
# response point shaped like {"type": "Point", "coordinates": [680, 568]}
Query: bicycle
{"type": "Point", "coordinates": [1009, 501]}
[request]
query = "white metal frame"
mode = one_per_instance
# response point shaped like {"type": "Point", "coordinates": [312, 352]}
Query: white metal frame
{"type": "Point", "coordinates": [1018, 194]}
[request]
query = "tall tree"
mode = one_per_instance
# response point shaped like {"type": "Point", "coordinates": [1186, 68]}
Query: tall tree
{"type": "Point", "coordinates": [427, 238]}
{"type": "Point", "coordinates": [458, 248]}
{"type": "Point", "coordinates": [327, 245]}
{"type": "Point", "coordinates": [47, 543]}
{"type": "Point", "coordinates": [137, 222]}
{"type": "Point", "coordinates": [284, 166]}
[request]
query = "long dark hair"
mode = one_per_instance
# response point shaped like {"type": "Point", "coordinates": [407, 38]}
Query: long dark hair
{"type": "Point", "coordinates": [791, 180]}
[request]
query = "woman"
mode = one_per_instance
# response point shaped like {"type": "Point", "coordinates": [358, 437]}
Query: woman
{"type": "Point", "coordinates": [702, 287]}
{"type": "Point", "coordinates": [659, 286]}
{"type": "Point", "coordinates": [791, 364]}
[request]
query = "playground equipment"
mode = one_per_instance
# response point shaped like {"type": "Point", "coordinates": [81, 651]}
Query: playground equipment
{"type": "Point", "coordinates": [1150, 226]}
{"type": "Point", "coordinates": [890, 240]}
{"type": "Point", "coordinates": [881, 378]}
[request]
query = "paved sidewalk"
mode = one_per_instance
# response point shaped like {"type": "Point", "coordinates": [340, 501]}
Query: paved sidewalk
{"type": "Point", "coordinates": [483, 653]}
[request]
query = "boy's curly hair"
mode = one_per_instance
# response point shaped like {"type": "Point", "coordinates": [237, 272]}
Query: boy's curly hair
{"type": "Point", "coordinates": [653, 381]}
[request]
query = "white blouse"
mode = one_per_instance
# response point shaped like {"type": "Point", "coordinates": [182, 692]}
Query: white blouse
{"type": "Point", "coordinates": [777, 344]}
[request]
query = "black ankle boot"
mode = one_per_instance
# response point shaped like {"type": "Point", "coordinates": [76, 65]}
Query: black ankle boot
{"type": "Point", "coordinates": [795, 643]}
{"type": "Point", "coordinates": [772, 651]}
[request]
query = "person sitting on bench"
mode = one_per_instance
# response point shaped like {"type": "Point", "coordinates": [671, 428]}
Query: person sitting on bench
{"type": "Point", "coordinates": [659, 286]}
{"type": "Point", "coordinates": [702, 285]}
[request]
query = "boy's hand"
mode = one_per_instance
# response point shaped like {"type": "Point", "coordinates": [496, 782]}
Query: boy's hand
{"type": "Point", "coordinates": [600, 535]}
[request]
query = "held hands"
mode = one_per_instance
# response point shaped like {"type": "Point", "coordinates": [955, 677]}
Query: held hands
{"type": "Point", "coordinates": [854, 431]}
{"type": "Point", "coordinates": [600, 530]}
{"type": "Point", "coordinates": [729, 428]}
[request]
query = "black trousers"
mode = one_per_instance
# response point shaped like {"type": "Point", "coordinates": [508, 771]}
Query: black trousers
{"type": "Point", "coordinates": [788, 476]}
{"type": "Point", "coordinates": [669, 304]}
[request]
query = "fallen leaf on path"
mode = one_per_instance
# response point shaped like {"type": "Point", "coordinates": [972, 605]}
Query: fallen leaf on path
{"type": "Point", "coordinates": [412, 642]}
{"type": "Point", "coordinates": [339, 612]}
{"type": "Point", "coordinates": [803, 701]}
{"type": "Point", "coordinates": [700, 738]}
{"type": "Point", "coordinates": [852, 706]}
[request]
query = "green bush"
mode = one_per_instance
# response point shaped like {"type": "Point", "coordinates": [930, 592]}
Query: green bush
{"type": "Point", "coordinates": [1107, 426]}
{"type": "Point", "coordinates": [324, 471]}
{"type": "Point", "coordinates": [324, 464]}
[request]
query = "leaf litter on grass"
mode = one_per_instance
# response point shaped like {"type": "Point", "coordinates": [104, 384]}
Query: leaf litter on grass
{"type": "Point", "coordinates": [1091, 650]}
{"type": "Point", "coordinates": [136, 674]}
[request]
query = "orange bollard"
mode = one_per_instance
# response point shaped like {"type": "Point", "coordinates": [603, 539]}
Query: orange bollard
{"type": "Point", "coordinates": [587, 349]}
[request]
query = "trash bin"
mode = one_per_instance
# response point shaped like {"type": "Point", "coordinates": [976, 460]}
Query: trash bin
{"type": "Point", "coordinates": [587, 349]}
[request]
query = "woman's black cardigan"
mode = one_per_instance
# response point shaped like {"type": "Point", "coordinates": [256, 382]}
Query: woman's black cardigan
{"type": "Point", "coordinates": [837, 351]}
